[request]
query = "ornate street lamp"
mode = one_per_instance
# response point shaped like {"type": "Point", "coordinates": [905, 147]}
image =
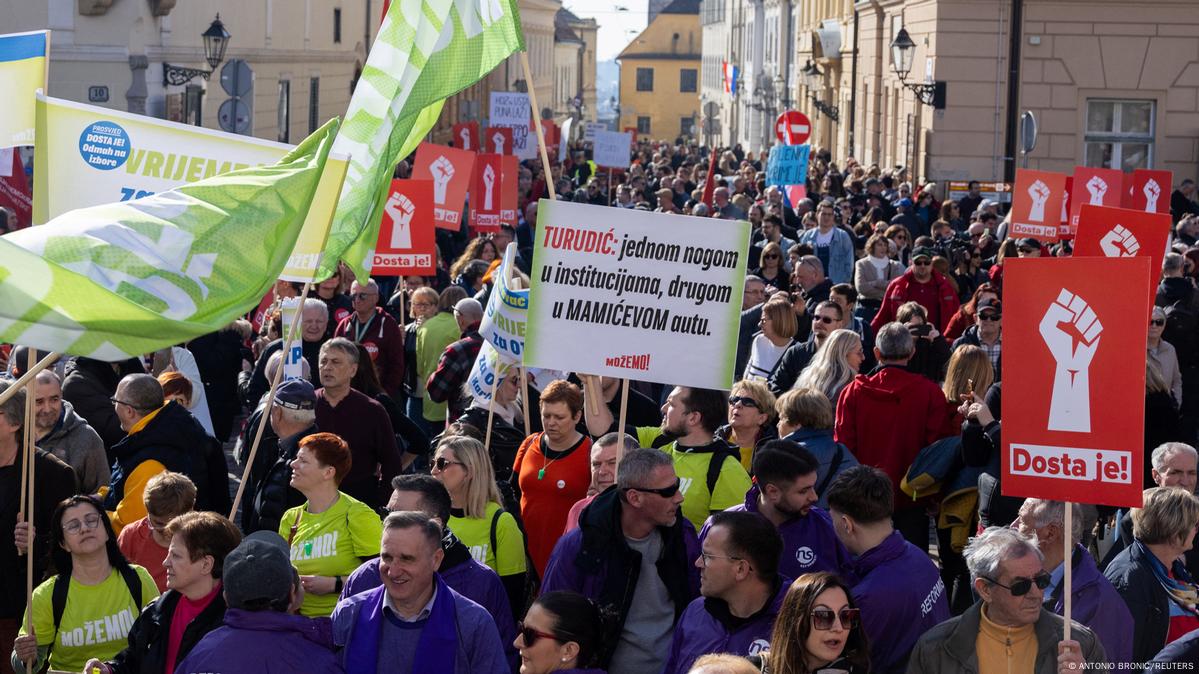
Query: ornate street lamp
{"type": "Point", "coordinates": [815, 79]}
{"type": "Point", "coordinates": [903, 51]}
{"type": "Point", "coordinates": [216, 40]}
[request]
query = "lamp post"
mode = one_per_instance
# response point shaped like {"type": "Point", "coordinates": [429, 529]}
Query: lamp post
{"type": "Point", "coordinates": [216, 40]}
{"type": "Point", "coordinates": [903, 51]}
{"type": "Point", "coordinates": [815, 80]}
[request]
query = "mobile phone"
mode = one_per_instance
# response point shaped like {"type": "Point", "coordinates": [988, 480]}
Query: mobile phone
{"type": "Point", "coordinates": [921, 330]}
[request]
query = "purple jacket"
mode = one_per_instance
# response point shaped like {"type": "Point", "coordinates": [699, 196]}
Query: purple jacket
{"type": "Point", "coordinates": [257, 642]}
{"type": "Point", "coordinates": [1098, 606]}
{"type": "Point", "coordinates": [901, 596]}
{"type": "Point", "coordinates": [468, 578]}
{"type": "Point", "coordinates": [809, 542]}
{"type": "Point", "coordinates": [706, 628]}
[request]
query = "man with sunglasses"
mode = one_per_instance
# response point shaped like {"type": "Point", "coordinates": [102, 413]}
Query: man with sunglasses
{"type": "Point", "coordinates": [1009, 629]}
{"type": "Point", "coordinates": [373, 328]}
{"type": "Point", "coordinates": [898, 588]}
{"type": "Point", "coordinates": [986, 331]}
{"type": "Point", "coordinates": [920, 283]}
{"type": "Point", "coordinates": [827, 316]}
{"type": "Point", "coordinates": [634, 555]}
{"type": "Point", "coordinates": [1096, 603]}
{"type": "Point", "coordinates": [741, 590]}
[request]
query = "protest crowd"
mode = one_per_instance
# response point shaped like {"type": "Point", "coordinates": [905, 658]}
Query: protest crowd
{"type": "Point", "coordinates": [392, 521]}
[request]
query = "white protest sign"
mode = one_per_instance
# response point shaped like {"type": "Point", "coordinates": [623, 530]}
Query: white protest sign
{"type": "Point", "coordinates": [564, 139]}
{"type": "Point", "coordinates": [511, 110]}
{"type": "Point", "coordinates": [293, 367]}
{"type": "Point", "coordinates": [483, 374]}
{"type": "Point", "coordinates": [655, 297]}
{"type": "Point", "coordinates": [590, 129]}
{"type": "Point", "coordinates": [506, 312]}
{"type": "Point", "coordinates": [612, 149]}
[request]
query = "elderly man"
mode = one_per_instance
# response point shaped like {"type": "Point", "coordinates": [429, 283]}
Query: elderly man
{"type": "Point", "coordinates": [445, 384]}
{"type": "Point", "coordinates": [414, 622]}
{"type": "Point", "coordinates": [755, 292]}
{"type": "Point", "coordinates": [723, 208]}
{"type": "Point", "coordinates": [66, 435]}
{"type": "Point", "coordinates": [1096, 603]}
{"type": "Point", "coordinates": [920, 283]}
{"type": "Point", "coordinates": [814, 286]}
{"type": "Point", "coordinates": [314, 318]}
{"type": "Point", "coordinates": [371, 327]}
{"type": "Point", "coordinates": [292, 418]}
{"type": "Point", "coordinates": [604, 457]}
{"type": "Point", "coordinates": [635, 555]}
{"type": "Point", "coordinates": [1174, 465]}
{"type": "Point", "coordinates": [1009, 629]}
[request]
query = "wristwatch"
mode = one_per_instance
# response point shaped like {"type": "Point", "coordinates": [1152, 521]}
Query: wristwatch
{"type": "Point", "coordinates": [337, 584]}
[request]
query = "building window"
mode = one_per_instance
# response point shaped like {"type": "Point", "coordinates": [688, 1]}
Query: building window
{"type": "Point", "coordinates": [643, 125]}
{"type": "Point", "coordinates": [336, 25]}
{"type": "Point", "coordinates": [314, 104]}
{"type": "Point", "coordinates": [686, 125]}
{"type": "Point", "coordinates": [645, 79]}
{"type": "Point", "coordinates": [1119, 134]}
{"type": "Point", "coordinates": [283, 120]}
{"type": "Point", "coordinates": [687, 80]}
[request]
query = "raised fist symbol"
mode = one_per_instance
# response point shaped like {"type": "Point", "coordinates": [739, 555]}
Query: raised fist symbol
{"type": "Point", "coordinates": [1152, 191]}
{"type": "Point", "coordinates": [1097, 188]}
{"type": "Point", "coordinates": [497, 143]}
{"type": "Point", "coordinates": [1039, 192]}
{"type": "Point", "coordinates": [400, 209]}
{"type": "Point", "coordinates": [464, 135]}
{"type": "Point", "coordinates": [1070, 406]}
{"type": "Point", "coordinates": [442, 170]}
{"type": "Point", "coordinates": [1119, 243]}
{"type": "Point", "coordinates": [488, 182]}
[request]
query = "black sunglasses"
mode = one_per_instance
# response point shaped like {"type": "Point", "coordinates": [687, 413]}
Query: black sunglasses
{"type": "Point", "coordinates": [988, 317]}
{"type": "Point", "coordinates": [441, 463]}
{"type": "Point", "coordinates": [921, 263]}
{"type": "Point", "coordinates": [744, 400]}
{"type": "Point", "coordinates": [770, 257]}
{"type": "Point", "coordinates": [1021, 586]}
{"type": "Point", "coordinates": [1159, 322]}
{"type": "Point", "coordinates": [664, 492]}
{"type": "Point", "coordinates": [827, 320]}
{"type": "Point", "coordinates": [822, 618]}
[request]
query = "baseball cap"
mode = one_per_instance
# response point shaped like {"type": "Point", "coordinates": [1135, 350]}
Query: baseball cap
{"type": "Point", "coordinates": [986, 203]}
{"type": "Point", "coordinates": [905, 203]}
{"type": "Point", "coordinates": [296, 394]}
{"type": "Point", "coordinates": [923, 251]}
{"type": "Point", "coordinates": [258, 569]}
{"type": "Point", "coordinates": [989, 303]}
{"type": "Point", "coordinates": [1030, 242]}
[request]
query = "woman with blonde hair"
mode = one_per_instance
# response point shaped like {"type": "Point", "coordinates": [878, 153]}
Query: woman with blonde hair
{"type": "Point", "coordinates": [818, 629]}
{"type": "Point", "coordinates": [834, 366]}
{"type": "Point", "coordinates": [778, 327]}
{"type": "Point", "coordinates": [968, 377]}
{"type": "Point", "coordinates": [751, 411]}
{"type": "Point", "coordinates": [477, 516]}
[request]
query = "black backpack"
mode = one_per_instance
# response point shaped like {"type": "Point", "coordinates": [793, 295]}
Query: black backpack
{"type": "Point", "coordinates": [719, 456]}
{"type": "Point", "coordinates": [62, 584]}
{"type": "Point", "coordinates": [532, 580]}
{"type": "Point", "coordinates": [1182, 326]}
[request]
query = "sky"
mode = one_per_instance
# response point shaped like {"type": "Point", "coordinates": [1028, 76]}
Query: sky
{"type": "Point", "coordinates": [616, 28]}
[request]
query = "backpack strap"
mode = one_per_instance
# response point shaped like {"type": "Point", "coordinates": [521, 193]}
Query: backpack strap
{"type": "Point", "coordinates": [719, 456]}
{"type": "Point", "coordinates": [134, 583]}
{"type": "Point", "coordinates": [832, 469]}
{"type": "Point", "coordinates": [62, 585]}
{"type": "Point", "coordinates": [495, 520]}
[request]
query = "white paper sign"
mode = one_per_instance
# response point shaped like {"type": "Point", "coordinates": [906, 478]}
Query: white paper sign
{"type": "Point", "coordinates": [592, 128]}
{"type": "Point", "coordinates": [293, 368]}
{"type": "Point", "coordinates": [612, 149]}
{"type": "Point", "coordinates": [564, 140]}
{"type": "Point", "coordinates": [511, 109]}
{"type": "Point", "coordinates": [651, 296]}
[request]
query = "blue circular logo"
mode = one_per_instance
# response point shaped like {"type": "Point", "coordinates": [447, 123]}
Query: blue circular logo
{"type": "Point", "coordinates": [104, 145]}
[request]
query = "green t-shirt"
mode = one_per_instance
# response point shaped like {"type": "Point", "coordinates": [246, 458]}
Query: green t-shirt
{"type": "Point", "coordinates": [331, 543]}
{"type": "Point", "coordinates": [692, 469]}
{"type": "Point", "coordinates": [95, 622]}
{"type": "Point", "coordinates": [475, 533]}
{"type": "Point", "coordinates": [431, 339]}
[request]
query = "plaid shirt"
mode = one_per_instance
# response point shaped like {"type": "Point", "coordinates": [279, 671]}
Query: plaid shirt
{"type": "Point", "coordinates": [452, 370]}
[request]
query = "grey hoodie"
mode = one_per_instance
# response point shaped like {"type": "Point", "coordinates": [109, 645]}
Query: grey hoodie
{"type": "Point", "coordinates": [78, 444]}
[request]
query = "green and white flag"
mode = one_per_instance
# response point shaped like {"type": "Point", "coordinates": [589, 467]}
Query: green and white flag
{"type": "Point", "coordinates": [426, 51]}
{"type": "Point", "coordinates": [123, 279]}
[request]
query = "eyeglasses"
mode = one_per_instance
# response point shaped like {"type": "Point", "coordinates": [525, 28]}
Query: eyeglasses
{"type": "Point", "coordinates": [745, 401]}
{"type": "Point", "coordinates": [827, 320]}
{"type": "Point", "coordinates": [441, 463]}
{"type": "Point", "coordinates": [1021, 586]}
{"type": "Point", "coordinates": [531, 635]}
{"type": "Point", "coordinates": [1158, 322]}
{"type": "Point", "coordinates": [822, 618]}
{"type": "Point", "coordinates": [118, 401]}
{"type": "Point", "coordinates": [921, 263]}
{"type": "Point", "coordinates": [89, 523]}
{"type": "Point", "coordinates": [709, 557]}
{"type": "Point", "coordinates": [770, 257]}
{"type": "Point", "coordinates": [664, 492]}
{"type": "Point", "coordinates": [988, 317]}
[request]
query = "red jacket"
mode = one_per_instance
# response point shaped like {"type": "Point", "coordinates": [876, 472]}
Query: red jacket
{"type": "Point", "coordinates": [899, 292]}
{"type": "Point", "coordinates": [886, 418]}
{"type": "Point", "coordinates": [384, 340]}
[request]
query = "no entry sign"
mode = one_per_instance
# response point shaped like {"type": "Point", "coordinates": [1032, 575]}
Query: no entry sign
{"type": "Point", "coordinates": [793, 128]}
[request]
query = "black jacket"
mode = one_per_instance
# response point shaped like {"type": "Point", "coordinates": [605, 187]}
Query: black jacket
{"type": "Point", "coordinates": [791, 364]}
{"type": "Point", "coordinates": [981, 446]}
{"type": "Point", "coordinates": [147, 649]}
{"type": "Point", "coordinates": [89, 385]}
{"type": "Point", "coordinates": [257, 385]}
{"type": "Point", "coordinates": [55, 482]}
{"type": "Point", "coordinates": [1132, 576]}
{"type": "Point", "coordinates": [273, 493]}
{"type": "Point", "coordinates": [218, 357]}
{"type": "Point", "coordinates": [970, 336]}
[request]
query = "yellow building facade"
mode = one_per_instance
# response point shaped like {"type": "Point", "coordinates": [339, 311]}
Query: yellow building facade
{"type": "Point", "coordinates": [659, 75]}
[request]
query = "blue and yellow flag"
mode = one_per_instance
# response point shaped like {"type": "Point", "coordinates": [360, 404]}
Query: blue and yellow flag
{"type": "Point", "coordinates": [23, 70]}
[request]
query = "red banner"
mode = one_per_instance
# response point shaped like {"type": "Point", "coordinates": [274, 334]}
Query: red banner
{"type": "Point", "coordinates": [1074, 378]}
{"type": "Point", "coordinates": [498, 140]}
{"type": "Point", "coordinates": [1093, 187]}
{"type": "Point", "coordinates": [466, 136]}
{"type": "Point", "coordinates": [407, 237]}
{"type": "Point", "coordinates": [450, 170]}
{"type": "Point", "coordinates": [1150, 190]}
{"type": "Point", "coordinates": [14, 191]}
{"type": "Point", "coordinates": [1122, 232]}
{"type": "Point", "coordinates": [1037, 204]}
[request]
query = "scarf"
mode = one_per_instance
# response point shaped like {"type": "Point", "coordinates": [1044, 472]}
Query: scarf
{"type": "Point", "coordinates": [882, 264]}
{"type": "Point", "coordinates": [1181, 589]}
{"type": "Point", "coordinates": [438, 646]}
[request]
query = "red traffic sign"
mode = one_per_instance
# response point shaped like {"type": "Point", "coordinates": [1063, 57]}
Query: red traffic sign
{"type": "Point", "coordinates": [793, 128]}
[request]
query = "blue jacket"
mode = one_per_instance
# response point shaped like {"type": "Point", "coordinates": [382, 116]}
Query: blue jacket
{"type": "Point", "coordinates": [900, 593]}
{"type": "Point", "coordinates": [708, 627]}
{"type": "Point", "coordinates": [809, 542]}
{"type": "Point", "coordinates": [840, 254]}
{"type": "Point", "coordinates": [819, 441]}
{"type": "Point", "coordinates": [1098, 606]}
{"type": "Point", "coordinates": [264, 642]}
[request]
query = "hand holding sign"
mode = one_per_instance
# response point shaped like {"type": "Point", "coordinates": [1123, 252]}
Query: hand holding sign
{"type": "Point", "coordinates": [1070, 408]}
{"type": "Point", "coordinates": [1039, 192]}
{"type": "Point", "coordinates": [1119, 243]}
